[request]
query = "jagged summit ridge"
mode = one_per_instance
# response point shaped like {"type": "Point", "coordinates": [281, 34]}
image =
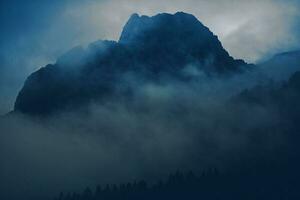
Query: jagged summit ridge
{"type": "Point", "coordinates": [138, 25]}
{"type": "Point", "coordinates": [180, 35]}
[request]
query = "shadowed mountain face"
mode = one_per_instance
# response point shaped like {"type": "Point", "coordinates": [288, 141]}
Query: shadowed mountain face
{"type": "Point", "coordinates": [169, 42]}
{"type": "Point", "coordinates": [150, 49]}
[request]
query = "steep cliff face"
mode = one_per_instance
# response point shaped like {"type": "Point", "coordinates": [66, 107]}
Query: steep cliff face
{"type": "Point", "coordinates": [149, 49]}
{"type": "Point", "coordinates": [173, 40]}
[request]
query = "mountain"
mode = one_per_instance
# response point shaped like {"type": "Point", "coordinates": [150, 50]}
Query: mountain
{"type": "Point", "coordinates": [283, 93]}
{"type": "Point", "coordinates": [281, 66]}
{"type": "Point", "coordinates": [150, 49]}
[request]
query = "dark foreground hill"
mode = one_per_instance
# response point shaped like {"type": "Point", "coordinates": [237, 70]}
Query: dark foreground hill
{"type": "Point", "coordinates": [210, 185]}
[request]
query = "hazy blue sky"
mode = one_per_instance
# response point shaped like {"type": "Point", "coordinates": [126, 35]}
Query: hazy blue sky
{"type": "Point", "coordinates": [34, 33]}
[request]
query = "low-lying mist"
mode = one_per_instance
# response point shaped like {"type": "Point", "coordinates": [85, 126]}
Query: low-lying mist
{"type": "Point", "coordinates": [163, 127]}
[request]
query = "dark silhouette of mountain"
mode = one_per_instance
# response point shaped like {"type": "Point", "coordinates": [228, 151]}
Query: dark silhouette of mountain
{"type": "Point", "coordinates": [282, 65]}
{"type": "Point", "coordinates": [291, 58]}
{"type": "Point", "coordinates": [149, 49]}
{"type": "Point", "coordinates": [172, 41]}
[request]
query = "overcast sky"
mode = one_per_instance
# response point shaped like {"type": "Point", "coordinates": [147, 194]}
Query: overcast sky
{"type": "Point", "coordinates": [34, 33]}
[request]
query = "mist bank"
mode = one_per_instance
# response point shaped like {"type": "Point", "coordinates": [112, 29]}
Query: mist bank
{"type": "Point", "coordinates": [163, 129]}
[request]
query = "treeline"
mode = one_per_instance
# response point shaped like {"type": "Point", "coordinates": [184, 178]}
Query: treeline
{"type": "Point", "coordinates": [210, 185]}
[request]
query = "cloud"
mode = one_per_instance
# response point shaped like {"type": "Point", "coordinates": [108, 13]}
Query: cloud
{"type": "Point", "coordinates": [167, 126]}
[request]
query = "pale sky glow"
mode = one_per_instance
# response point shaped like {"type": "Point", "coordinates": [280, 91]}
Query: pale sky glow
{"type": "Point", "coordinates": [265, 24]}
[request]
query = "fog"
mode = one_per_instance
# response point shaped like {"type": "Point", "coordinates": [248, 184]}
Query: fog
{"type": "Point", "coordinates": [166, 127]}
